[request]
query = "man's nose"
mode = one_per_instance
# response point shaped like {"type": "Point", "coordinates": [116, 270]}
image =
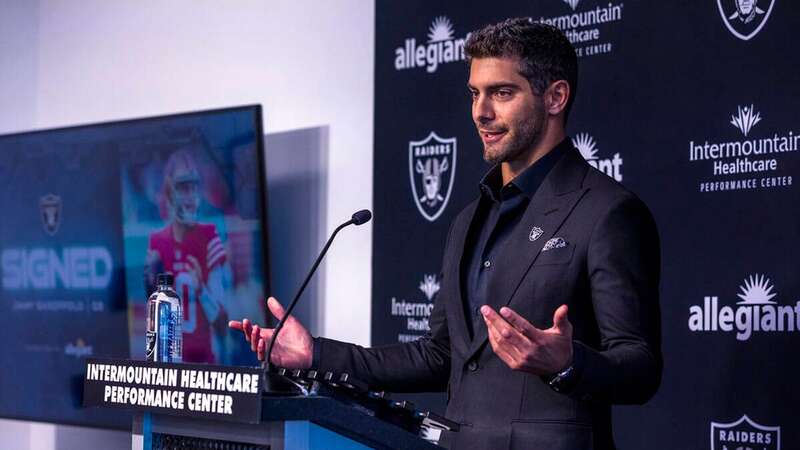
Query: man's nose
{"type": "Point", "coordinates": [482, 111]}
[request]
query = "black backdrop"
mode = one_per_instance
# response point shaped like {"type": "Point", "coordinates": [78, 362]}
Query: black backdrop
{"type": "Point", "coordinates": [692, 105]}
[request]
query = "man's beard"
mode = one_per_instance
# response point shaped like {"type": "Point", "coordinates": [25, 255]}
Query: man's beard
{"type": "Point", "coordinates": [526, 135]}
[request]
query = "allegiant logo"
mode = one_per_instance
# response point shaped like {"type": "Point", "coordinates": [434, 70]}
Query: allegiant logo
{"type": "Point", "coordinates": [441, 48]}
{"type": "Point", "coordinates": [756, 313]}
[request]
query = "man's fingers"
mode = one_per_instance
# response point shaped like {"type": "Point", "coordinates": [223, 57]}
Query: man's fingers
{"type": "Point", "coordinates": [561, 323]}
{"type": "Point", "coordinates": [496, 339]}
{"type": "Point", "coordinates": [504, 340]}
{"type": "Point", "coordinates": [254, 335]}
{"type": "Point", "coordinates": [245, 327]}
{"type": "Point", "coordinates": [503, 351]}
{"type": "Point", "coordinates": [259, 338]}
{"type": "Point", "coordinates": [519, 322]}
{"type": "Point", "coordinates": [489, 315]}
{"type": "Point", "coordinates": [266, 334]}
{"type": "Point", "coordinates": [275, 308]}
{"type": "Point", "coordinates": [504, 329]}
{"type": "Point", "coordinates": [262, 345]}
{"type": "Point", "coordinates": [241, 325]}
{"type": "Point", "coordinates": [494, 336]}
{"type": "Point", "coordinates": [237, 325]}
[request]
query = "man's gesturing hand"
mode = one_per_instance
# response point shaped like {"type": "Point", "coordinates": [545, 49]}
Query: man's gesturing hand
{"type": "Point", "coordinates": [294, 348]}
{"type": "Point", "coordinates": [524, 347]}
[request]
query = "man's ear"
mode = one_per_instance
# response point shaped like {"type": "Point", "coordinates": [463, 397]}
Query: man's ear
{"type": "Point", "coordinates": [557, 96]}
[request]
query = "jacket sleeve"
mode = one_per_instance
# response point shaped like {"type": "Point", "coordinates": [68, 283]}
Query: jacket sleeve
{"type": "Point", "coordinates": [419, 366]}
{"type": "Point", "coordinates": [624, 264]}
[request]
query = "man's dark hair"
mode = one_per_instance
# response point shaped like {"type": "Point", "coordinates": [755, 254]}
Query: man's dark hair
{"type": "Point", "coordinates": [545, 54]}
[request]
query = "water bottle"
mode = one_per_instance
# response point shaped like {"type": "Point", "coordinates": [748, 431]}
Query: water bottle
{"type": "Point", "coordinates": [164, 317]}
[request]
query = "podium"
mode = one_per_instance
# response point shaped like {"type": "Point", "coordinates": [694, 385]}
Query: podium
{"type": "Point", "coordinates": [198, 406]}
{"type": "Point", "coordinates": [287, 423]}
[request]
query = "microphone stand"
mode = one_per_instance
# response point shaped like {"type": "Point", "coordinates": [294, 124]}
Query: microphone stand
{"type": "Point", "coordinates": [275, 384]}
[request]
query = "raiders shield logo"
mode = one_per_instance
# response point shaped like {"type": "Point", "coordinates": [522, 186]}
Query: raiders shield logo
{"type": "Point", "coordinates": [744, 434]}
{"type": "Point", "coordinates": [745, 18]}
{"type": "Point", "coordinates": [50, 209]}
{"type": "Point", "coordinates": [535, 233]}
{"type": "Point", "coordinates": [432, 168]}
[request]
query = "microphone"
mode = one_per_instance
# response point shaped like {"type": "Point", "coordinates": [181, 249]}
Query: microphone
{"type": "Point", "coordinates": [358, 218]}
{"type": "Point", "coordinates": [361, 217]}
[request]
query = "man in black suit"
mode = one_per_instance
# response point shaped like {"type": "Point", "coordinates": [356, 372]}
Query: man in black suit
{"type": "Point", "coordinates": [549, 237]}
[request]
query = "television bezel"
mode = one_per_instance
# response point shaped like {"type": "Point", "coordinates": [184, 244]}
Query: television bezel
{"type": "Point", "coordinates": [263, 216]}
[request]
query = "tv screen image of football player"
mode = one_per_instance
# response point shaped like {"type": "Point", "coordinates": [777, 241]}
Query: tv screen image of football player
{"type": "Point", "coordinates": [195, 255]}
{"type": "Point", "coordinates": [184, 215]}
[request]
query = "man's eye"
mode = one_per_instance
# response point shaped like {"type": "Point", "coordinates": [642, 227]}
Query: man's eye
{"type": "Point", "coordinates": [502, 94]}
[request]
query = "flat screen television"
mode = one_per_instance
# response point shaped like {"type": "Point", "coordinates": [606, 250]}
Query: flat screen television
{"type": "Point", "coordinates": [90, 214]}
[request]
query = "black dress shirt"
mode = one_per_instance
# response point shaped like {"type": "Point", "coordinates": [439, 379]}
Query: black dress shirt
{"type": "Point", "coordinates": [500, 209]}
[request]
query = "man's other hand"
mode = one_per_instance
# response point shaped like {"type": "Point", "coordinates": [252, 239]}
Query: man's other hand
{"type": "Point", "coordinates": [294, 348]}
{"type": "Point", "coordinates": [524, 347]}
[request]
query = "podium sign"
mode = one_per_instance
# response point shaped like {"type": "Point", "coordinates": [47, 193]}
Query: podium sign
{"type": "Point", "coordinates": [191, 390]}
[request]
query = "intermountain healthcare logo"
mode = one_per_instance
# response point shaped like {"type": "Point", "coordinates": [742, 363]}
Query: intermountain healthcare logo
{"type": "Point", "coordinates": [418, 312]}
{"type": "Point", "coordinates": [582, 27]}
{"type": "Point", "coordinates": [432, 170]}
{"type": "Point", "coordinates": [588, 148]}
{"type": "Point", "coordinates": [746, 119]}
{"type": "Point", "coordinates": [745, 18]}
{"type": "Point", "coordinates": [441, 48]}
{"type": "Point", "coordinates": [748, 155]}
{"type": "Point", "coordinates": [755, 313]}
{"type": "Point", "coordinates": [429, 286]}
{"type": "Point", "coordinates": [744, 434]}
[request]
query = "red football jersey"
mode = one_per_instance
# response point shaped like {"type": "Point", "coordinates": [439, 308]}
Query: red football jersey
{"type": "Point", "coordinates": [202, 243]}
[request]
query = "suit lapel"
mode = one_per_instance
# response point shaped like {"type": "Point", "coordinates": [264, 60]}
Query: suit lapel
{"type": "Point", "coordinates": [460, 232]}
{"type": "Point", "coordinates": [549, 207]}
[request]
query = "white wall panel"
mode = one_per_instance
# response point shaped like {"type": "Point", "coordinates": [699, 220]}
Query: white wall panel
{"type": "Point", "coordinates": [309, 63]}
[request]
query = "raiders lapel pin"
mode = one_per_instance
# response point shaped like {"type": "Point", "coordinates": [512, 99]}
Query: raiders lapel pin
{"type": "Point", "coordinates": [536, 232]}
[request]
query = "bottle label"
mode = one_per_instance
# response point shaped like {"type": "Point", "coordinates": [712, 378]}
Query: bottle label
{"type": "Point", "coordinates": [150, 345]}
{"type": "Point", "coordinates": [166, 332]}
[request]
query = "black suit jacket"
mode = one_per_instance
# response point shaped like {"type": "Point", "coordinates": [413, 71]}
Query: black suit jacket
{"type": "Point", "coordinates": [608, 274]}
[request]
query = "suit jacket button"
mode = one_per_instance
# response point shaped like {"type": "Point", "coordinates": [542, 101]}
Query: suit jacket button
{"type": "Point", "coordinates": [472, 366]}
